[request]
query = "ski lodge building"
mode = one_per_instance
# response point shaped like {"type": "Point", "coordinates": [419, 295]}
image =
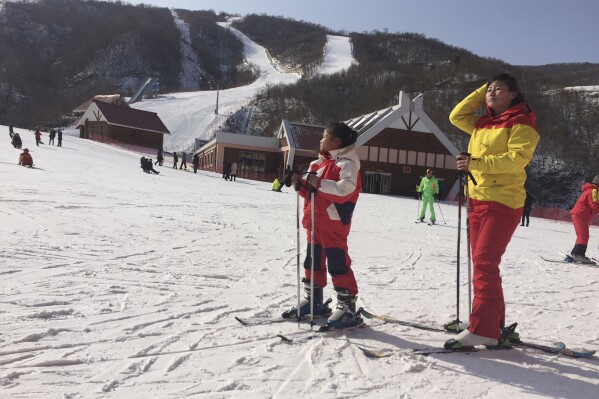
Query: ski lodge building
{"type": "Point", "coordinates": [395, 145]}
{"type": "Point", "coordinates": [114, 122]}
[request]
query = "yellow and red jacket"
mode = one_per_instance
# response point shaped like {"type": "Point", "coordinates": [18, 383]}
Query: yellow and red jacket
{"type": "Point", "coordinates": [501, 147]}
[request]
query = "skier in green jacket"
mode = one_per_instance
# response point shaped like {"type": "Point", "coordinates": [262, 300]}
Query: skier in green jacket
{"type": "Point", "coordinates": [429, 190]}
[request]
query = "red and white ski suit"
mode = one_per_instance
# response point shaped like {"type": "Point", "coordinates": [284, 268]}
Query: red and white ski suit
{"type": "Point", "coordinates": [583, 212]}
{"type": "Point", "coordinates": [334, 203]}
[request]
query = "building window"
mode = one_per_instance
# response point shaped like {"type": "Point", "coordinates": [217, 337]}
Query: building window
{"type": "Point", "coordinates": [411, 158]}
{"type": "Point", "coordinates": [392, 155]}
{"type": "Point", "coordinates": [252, 162]}
{"type": "Point", "coordinates": [362, 153]}
{"type": "Point", "coordinates": [374, 154]}
{"type": "Point", "coordinates": [402, 157]}
{"type": "Point", "coordinates": [440, 162]}
{"type": "Point", "coordinates": [407, 169]}
{"type": "Point", "coordinates": [421, 159]}
{"type": "Point", "coordinates": [430, 160]}
{"type": "Point", "coordinates": [383, 155]}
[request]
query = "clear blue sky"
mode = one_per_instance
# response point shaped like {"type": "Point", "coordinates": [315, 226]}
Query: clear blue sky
{"type": "Point", "coordinates": [520, 32]}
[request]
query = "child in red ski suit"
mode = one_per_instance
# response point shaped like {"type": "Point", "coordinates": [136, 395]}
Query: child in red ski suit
{"type": "Point", "coordinates": [335, 179]}
{"type": "Point", "coordinates": [583, 212]}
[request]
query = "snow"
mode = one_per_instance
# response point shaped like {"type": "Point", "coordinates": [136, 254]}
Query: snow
{"type": "Point", "coordinates": [190, 76]}
{"type": "Point", "coordinates": [120, 284]}
{"type": "Point", "coordinates": [337, 55]}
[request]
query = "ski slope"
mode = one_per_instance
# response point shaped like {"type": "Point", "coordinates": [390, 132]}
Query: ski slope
{"type": "Point", "coordinates": [192, 115]}
{"type": "Point", "coordinates": [120, 284]}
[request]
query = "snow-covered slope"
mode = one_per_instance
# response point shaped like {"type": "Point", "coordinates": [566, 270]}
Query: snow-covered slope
{"type": "Point", "coordinates": [119, 284]}
{"type": "Point", "coordinates": [192, 115]}
{"type": "Point", "coordinates": [337, 55]}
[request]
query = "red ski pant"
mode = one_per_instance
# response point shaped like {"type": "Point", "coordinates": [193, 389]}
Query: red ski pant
{"type": "Point", "coordinates": [581, 226]}
{"type": "Point", "coordinates": [330, 249]}
{"type": "Point", "coordinates": [491, 228]}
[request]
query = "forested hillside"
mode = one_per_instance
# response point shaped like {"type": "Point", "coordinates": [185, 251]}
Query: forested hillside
{"type": "Point", "coordinates": [55, 54]}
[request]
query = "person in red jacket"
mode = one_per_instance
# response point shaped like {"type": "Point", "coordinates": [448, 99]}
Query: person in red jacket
{"type": "Point", "coordinates": [25, 158]}
{"type": "Point", "coordinates": [38, 137]}
{"type": "Point", "coordinates": [335, 179]}
{"type": "Point", "coordinates": [583, 212]}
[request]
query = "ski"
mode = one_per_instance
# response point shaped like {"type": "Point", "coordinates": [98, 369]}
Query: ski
{"type": "Point", "coordinates": [281, 319]}
{"type": "Point", "coordinates": [558, 347]}
{"type": "Point", "coordinates": [569, 260]}
{"type": "Point", "coordinates": [391, 320]}
{"type": "Point", "coordinates": [578, 354]}
{"type": "Point", "coordinates": [381, 353]}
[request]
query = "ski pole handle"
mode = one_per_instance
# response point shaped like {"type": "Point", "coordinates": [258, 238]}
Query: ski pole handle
{"type": "Point", "coordinates": [467, 154]}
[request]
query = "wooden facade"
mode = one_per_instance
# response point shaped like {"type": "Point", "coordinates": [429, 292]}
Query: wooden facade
{"type": "Point", "coordinates": [110, 123]}
{"type": "Point", "coordinates": [395, 146]}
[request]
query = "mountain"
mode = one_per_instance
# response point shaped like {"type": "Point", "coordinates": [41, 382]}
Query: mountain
{"type": "Point", "coordinates": [111, 47]}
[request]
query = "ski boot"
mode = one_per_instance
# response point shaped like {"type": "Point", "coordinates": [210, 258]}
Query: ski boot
{"type": "Point", "coordinates": [320, 308]}
{"type": "Point", "coordinates": [456, 326]}
{"type": "Point", "coordinates": [578, 255]}
{"type": "Point", "coordinates": [467, 340]}
{"type": "Point", "coordinates": [509, 336]}
{"type": "Point", "coordinates": [345, 313]}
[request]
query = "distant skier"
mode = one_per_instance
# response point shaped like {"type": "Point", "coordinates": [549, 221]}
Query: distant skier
{"type": "Point", "coordinates": [25, 158]}
{"type": "Point", "coordinates": [429, 189]}
{"type": "Point", "coordinates": [233, 171]}
{"type": "Point", "coordinates": [59, 136]}
{"type": "Point", "coordinates": [583, 212]}
{"type": "Point", "coordinates": [175, 159]}
{"type": "Point", "coordinates": [159, 157]}
{"type": "Point", "coordinates": [527, 209]}
{"type": "Point", "coordinates": [52, 136]}
{"type": "Point", "coordinates": [276, 185]}
{"type": "Point", "coordinates": [38, 137]}
{"type": "Point", "coordinates": [147, 165]}
{"type": "Point", "coordinates": [336, 182]}
{"type": "Point", "coordinates": [196, 163]}
{"type": "Point", "coordinates": [16, 141]}
{"type": "Point", "coordinates": [11, 131]}
{"type": "Point", "coordinates": [183, 161]}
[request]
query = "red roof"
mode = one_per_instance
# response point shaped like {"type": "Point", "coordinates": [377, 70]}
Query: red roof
{"type": "Point", "coordinates": [306, 137]}
{"type": "Point", "coordinates": [131, 117]}
{"type": "Point", "coordinates": [107, 98]}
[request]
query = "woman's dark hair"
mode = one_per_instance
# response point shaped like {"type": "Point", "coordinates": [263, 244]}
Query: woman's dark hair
{"type": "Point", "coordinates": [512, 85]}
{"type": "Point", "coordinates": [340, 130]}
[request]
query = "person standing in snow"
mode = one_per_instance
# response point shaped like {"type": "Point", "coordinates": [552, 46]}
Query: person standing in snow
{"type": "Point", "coordinates": [583, 212]}
{"type": "Point", "coordinates": [175, 159]}
{"type": "Point", "coordinates": [11, 131]}
{"type": "Point", "coordinates": [183, 161]}
{"type": "Point", "coordinates": [196, 163]}
{"type": "Point", "coordinates": [502, 143]}
{"type": "Point", "coordinates": [159, 157]}
{"type": "Point", "coordinates": [38, 137]}
{"type": "Point", "coordinates": [335, 179]}
{"type": "Point", "coordinates": [25, 158]}
{"type": "Point", "coordinates": [59, 136]}
{"type": "Point", "coordinates": [233, 171]}
{"type": "Point", "coordinates": [429, 190]}
{"type": "Point", "coordinates": [527, 209]}
{"type": "Point", "coordinates": [52, 135]}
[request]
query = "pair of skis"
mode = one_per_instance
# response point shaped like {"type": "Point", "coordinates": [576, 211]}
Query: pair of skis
{"type": "Point", "coordinates": [556, 348]}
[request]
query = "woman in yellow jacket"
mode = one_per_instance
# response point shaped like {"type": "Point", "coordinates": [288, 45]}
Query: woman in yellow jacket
{"type": "Point", "coordinates": [502, 144]}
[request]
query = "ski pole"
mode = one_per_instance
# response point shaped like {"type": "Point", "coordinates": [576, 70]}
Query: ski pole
{"type": "Point", "coordinates": [312, 259]}
{"type": "Point", "coordinates": [444, 222]}
{"type": "Point", "coordinates": [461, 185]}
{"type": "Point", "coordinates": [467, 194]}
{"type": "Point", "coordinates": [419, 198]}
{"type": "Point", "coordinates": [297, 223]}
